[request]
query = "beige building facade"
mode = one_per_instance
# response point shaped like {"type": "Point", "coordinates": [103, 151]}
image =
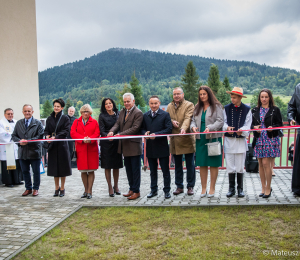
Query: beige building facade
{"type": "Point", "coordinates": [18, 57]}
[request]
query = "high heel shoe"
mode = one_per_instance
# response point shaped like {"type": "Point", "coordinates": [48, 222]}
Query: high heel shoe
{"type": "Point", "coordinates": [62, 193]}
{"type": "Point", "coordinates": [261, 194]}
{"type": "Point", "coordinates": [56, 192]}
{"type": "Point", "coordinates": [203, 195]}
{"type": "Point", "coordinates": [111, 195]}
{"type": "Point", "coordinates": [267, 196]}
{"type": "Point", "coordinates": [116, 192]}
{"type": "Point", "coordinates": [89, 196]}
{"type": "Point", "coordinates": [84, 195]}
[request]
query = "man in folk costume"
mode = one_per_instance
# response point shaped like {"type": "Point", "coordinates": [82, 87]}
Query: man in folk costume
{"type": "Point", "coordinates": [10, 166]}
{"type": "Point", "coordinates": [237, 116]}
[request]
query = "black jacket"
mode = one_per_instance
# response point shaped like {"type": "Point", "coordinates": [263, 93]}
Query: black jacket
{"type": "Point", "coordinates": [160, 124]}
{"type": "Point", "coordinates": [34, 131]}
{"type": "Point", "coordinates": [294, 107]}
{"type": "Point", "coordinates": [59, 164]}
{"type": "Point", "coordinates": [273, 118]}
{"type": "Point", "coordinates": [72, 119]}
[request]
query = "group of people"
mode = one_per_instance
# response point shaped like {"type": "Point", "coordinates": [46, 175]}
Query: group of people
{"type": "Point", "coordinates": [199, 142]}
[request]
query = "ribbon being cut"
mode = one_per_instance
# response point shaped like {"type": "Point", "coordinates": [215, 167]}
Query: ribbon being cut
{"type": "Point", "coordinates": [142, 136]}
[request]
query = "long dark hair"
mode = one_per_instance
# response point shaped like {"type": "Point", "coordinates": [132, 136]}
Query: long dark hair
{"type": "Point", "coordinates": [103, 110]}
{"type": "Point", "coordinates": [212, 100]}
{"type": "Point", "coordinates": [271, 100]}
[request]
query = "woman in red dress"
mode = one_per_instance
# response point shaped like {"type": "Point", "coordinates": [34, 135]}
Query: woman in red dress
{"type": "Point", "coordinates": [85, 127]}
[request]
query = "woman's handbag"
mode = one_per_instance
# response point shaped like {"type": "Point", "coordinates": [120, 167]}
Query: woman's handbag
{"type": "Point", "coordinates": [214, 148]}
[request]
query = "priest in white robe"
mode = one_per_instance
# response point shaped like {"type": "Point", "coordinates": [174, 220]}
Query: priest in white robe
{"type": "Point", "coordinates": [11, 173]}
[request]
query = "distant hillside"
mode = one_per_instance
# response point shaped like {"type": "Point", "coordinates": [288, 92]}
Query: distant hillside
{"type": "Point", "coordinates": [107, 71]}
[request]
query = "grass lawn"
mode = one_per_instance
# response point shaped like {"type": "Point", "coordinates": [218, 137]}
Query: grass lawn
{"type": "Point", "coordinates": [172, 233]}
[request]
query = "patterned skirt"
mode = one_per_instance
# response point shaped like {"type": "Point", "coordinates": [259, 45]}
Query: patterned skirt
{"type": "Point", "coordinates": [265, 151]}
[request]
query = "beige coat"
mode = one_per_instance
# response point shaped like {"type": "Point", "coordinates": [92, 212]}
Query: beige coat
{"type": "Point", "coordinates": [132, 126]}
{"type": "Point", "coordinates": [183, 114]}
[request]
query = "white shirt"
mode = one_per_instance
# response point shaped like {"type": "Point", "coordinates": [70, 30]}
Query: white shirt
{"type": "Point", "coordinates": [237, 145]}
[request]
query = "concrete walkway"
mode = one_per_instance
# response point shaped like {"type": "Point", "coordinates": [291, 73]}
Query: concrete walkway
{"type": "Point", "coordinates": [25, 219]}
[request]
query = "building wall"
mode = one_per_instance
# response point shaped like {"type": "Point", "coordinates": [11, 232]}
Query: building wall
{"type": "Point", "coordinates": [18, 56]}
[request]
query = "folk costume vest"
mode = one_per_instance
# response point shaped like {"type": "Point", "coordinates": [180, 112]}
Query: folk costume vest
{"type": "Point", "coordinates": [236, 117]}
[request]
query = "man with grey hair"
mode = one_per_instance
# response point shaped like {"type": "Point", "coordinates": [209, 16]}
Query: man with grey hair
{"type": "Point", "coordinates": [181, 112]}
{"type": "Point", "coordinates": [26, 129]}
{"type": "Point", "coordinates": [129, 123]}
{"type": "Point", "coordinates": [71, 112]}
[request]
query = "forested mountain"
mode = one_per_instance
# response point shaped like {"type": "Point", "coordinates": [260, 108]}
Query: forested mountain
{"type": "Point", "coordinates": [103, 74]}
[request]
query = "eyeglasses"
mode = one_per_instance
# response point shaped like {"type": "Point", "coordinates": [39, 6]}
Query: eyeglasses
{"type": "Point", "coordinates": [85, 112]}
{"type": "Point", "coordinates": [177, 94]}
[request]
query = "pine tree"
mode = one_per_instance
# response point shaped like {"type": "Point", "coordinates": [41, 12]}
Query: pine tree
{"type": "Point", "coordinates": [47, 109]}
{"type": "Point", "coordinates": [226, 84]}
{"type": "Point", "coordinates": [136, 90]}
{"type": "Point", "coordinates": [214, 79]}
{"type": "Point", "coordinates": [190, 83]}
{"type": "Point", "coordinates": [68, 104]}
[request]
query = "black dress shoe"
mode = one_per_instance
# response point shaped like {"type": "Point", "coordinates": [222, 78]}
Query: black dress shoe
{"type": "Point", "coordinates": [116, 192]}
{"type": "Point", "coordinates": [20, 183]}
{"type": "Point", "coordinates": [152, 194]}
{"type": "Point", "coordinates": [167, 195]}
{"type": "Point", "coordinates": [296, 194]}
{"type": "Point", "coordinates": [9, 185]}
{"type": "Point", "coordinates": [84, 195]}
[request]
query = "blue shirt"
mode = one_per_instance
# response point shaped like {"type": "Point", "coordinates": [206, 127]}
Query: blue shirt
{"type": "Point", "coordinates": [29, 121]}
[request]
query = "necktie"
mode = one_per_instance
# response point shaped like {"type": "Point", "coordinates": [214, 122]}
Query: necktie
{"type": "Point", "coordinates": [153, 114]}
{"type": "Point", "coordinates": [26, 124]}
{"type": "Point", "coordinates": [127, 115]}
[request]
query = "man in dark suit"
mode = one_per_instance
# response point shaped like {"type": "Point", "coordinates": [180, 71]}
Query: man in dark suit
{"type": "Point", "coordinates": [156, 121]}
{"type": "Point", "coordinates": [129, 123]}
{"type": "Point", "coordinates": [26, 129]}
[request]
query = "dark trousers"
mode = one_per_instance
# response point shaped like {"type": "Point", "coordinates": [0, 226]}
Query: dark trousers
{"type": "Point", "coordinates": [25, 166]}
{"type": "Point", "coordinates": [164, 164]}
{"type": "Point", "coordinates": [190, 173]}
{"type": "Point", "coordinates": [71, 145]}
{"type": "Point", "coordinates": [296, 169]}
{"type": "Point", "coordinates": [133, 171]}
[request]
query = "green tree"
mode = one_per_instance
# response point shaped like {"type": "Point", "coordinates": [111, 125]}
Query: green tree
{"type": "Point", "coordinates": [222, 96]}
{"type": "Point", "coordinates": [282, 106]}
{"type": "Point", "coordinates": [226, 84]}
{"type": "Point", "coordinates": [68, 104]}
{"type": "Point", "coordinates": [120, 94]}
{"type": "Point", "coordinates": [79, 104]}
{"type": "Point", "coordinates": [47, 109]}
{"type": "Point", "coordinates": [253, 102]}
{"type": "Point", "coordinates": [213, 80]}
{"type": "Point", "coordinates": [190, 83]}
{"type": "Point", "coordinates": [136, 90]}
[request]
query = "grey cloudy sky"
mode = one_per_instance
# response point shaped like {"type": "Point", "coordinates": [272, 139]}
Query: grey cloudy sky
{"type": "Point", "coordinates": [263, 31]}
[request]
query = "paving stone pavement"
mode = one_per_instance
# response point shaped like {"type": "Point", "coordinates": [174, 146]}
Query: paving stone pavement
{"type": "Point", "coordinates": [23, 219]}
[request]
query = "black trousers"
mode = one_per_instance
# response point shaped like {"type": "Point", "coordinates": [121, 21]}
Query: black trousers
{"type": "Point", "coordinates": [190, 170]}
{"type": "Point", "coordinates": [296, 168]}
{"type": "Point", "coordinates": [164, 164]}
{"type": "Point", "coordinates": [71, 145]}
{"type": "Point", "coordinates": [133, 171]}
{"type": "Point", "coordinates": [11, 177]}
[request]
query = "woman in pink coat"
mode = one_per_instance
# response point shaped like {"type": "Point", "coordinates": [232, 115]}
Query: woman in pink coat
{"type": "Point", "coordinates": [85, 127]}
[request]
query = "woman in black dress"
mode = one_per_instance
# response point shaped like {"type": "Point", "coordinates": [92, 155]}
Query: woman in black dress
{"type": "Point", "coordinates": [59, 163]}
{"type": "Point", "coordinates": [110, 158]}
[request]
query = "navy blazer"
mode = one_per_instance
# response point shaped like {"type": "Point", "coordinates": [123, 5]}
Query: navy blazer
{"type": "Point", "coordinates": [160, 124]}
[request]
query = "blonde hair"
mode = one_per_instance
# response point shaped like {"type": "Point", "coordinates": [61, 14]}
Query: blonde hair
{"type": "Point", "coordinates": [86, 107]}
